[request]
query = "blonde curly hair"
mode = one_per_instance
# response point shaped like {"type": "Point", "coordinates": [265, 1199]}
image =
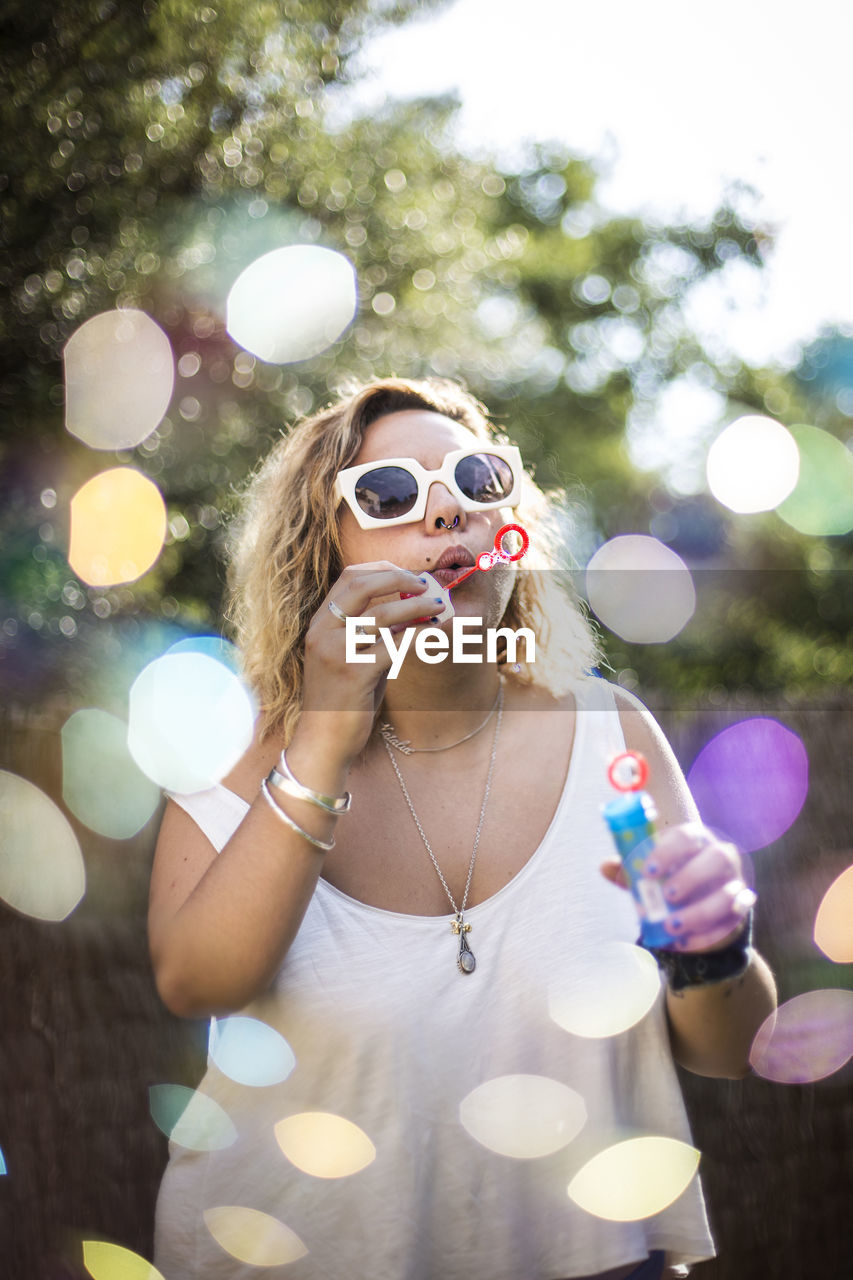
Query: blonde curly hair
{"type": "Point", "coordinates": [286, 549]}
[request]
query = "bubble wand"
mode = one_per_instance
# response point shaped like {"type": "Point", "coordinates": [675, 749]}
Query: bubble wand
{"type": "Point", "coordinates": [485, 561]}
{"type": "Point", "coordinates": [488, 559]}
{"type": "Point", "coordinates": [631, 819]}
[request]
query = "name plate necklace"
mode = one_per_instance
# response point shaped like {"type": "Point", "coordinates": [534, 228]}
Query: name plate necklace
{"type": "Point", "coordinates": [465, 958]}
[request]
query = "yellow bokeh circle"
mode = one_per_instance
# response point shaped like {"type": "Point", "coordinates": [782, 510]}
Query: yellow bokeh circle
{"type": "Point", "coordinates": [118, 526]}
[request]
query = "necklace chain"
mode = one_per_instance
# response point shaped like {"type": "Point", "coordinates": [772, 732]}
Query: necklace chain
{"type": "Point", "coordinates": [459, 911]}
{"type": "Point", "coordinates": [389, 737]}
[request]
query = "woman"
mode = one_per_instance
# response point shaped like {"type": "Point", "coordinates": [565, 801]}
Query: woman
{"type": "Point", "coordinates": [471, 883]}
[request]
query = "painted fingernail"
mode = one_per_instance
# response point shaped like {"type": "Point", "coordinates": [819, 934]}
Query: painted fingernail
{"type": "Point", "coordinates": [435, 619]}
{"type": "Point", "coordinates": [438, 600]}
{"type": "Point", "coordinates": [422, 579]}
{"type": "Point", "coordinates": [676, 924]}
{"type": "Point", "coordinates": [671, 892]}
{"type": "Point", "coordinates": [652, 868]}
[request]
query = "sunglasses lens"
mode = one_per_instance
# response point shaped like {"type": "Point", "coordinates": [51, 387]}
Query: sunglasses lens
{"type": "Point", "coordinates": [484, 477]}
{"type": "Point", "coordinates": [386, 492]}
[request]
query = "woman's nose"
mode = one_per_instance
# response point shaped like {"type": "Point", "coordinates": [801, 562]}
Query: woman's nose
{"type": "Point", "coordinates": [443, 510]}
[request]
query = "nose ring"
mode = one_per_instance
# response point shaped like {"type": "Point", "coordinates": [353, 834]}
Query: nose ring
{"type": "Point", "coordinates": [443, 525]}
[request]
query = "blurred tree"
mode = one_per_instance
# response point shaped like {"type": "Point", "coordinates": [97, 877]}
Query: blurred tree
{"type": "Point", "coordinates": [152, 151]}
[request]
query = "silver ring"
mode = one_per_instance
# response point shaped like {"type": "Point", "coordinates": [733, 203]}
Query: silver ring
{"type": "Point", "coordinates": [338, 612]}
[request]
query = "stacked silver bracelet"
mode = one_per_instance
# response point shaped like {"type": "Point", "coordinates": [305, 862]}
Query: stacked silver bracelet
{"type": "Point", "coordinates": [283, 780]}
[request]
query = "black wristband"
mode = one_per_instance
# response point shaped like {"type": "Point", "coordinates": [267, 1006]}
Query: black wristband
{"type": "Point", "coordinates": [701, 968]}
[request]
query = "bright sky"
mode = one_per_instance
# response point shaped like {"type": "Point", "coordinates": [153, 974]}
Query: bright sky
{"type": "Point", "coordinates": [680, 99]}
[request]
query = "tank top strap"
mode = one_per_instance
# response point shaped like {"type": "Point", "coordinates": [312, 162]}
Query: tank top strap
{"type": "Point", "coordinates": [218, 812]}
{"type": "Point", "coordinates": [603, 734]}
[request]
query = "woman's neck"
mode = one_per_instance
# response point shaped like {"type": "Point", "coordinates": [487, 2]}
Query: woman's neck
{"type": "Point", "coordinates": [437, 706]}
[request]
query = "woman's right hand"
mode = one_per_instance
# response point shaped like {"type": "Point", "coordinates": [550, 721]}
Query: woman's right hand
{"type": "Point", "coordinates": [340, 698]}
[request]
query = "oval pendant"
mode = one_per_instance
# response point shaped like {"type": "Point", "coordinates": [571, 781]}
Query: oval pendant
{"type": "Point", "coordinates": [465, 960]}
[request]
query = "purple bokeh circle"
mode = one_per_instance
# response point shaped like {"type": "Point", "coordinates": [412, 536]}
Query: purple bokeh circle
{"type": "Point", "coordinates": [807, 1038]}
{"type": "Point", "coordinates": [751, 781]}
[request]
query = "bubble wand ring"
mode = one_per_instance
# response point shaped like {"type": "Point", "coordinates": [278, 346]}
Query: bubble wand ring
{"type": "Point", "coordinates": [628, 771]}
{"type": "Point", "coordinates": [488, 559]}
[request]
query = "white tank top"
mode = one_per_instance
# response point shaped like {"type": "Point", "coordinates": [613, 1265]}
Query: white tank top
{"type": "Point", "coordinates": [388, 1034]}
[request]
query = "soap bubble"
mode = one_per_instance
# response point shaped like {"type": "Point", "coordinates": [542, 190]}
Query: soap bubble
{"type": "Point", "coordinates": [753, 465]}
{"type": "Point", "coordinates": [607, 994]}
{"type": "Point", "coordinates": [190, 721]}
{"type": "Point", "coordinates": [253, 1237]}
{"type": "Point", "coordinates": [751, 781]}
{"type": "Point", "coordinates": [640, 589]}
{"type": "Point", "coordinates": [250, 1051]}
{"type": "Point", "coordinates": [101, 784]}
{"type": "Point", "coordinates": [41, 869]}
{"type": "Point", "coordinates": [324, 1145]}
{"type": "Point", "coordinates": [111, 1262]}
{"type": "Point", "coordinates": [190, 1118]}
{"type": "Point", "coordinates": [292, 304]}
{"type": "Point", "coordinates": [119, 376]}
{"type": "Point", "coordinates": [118, 526]}
{"type": "Point", "coordinates": [806, 1038]}
{"type": "Point", "coordinates": [822, 502]}
{"type": "Point", "coordinates": [635, 1178]}
{"type": "Point", "coordinates": [523, 1116]}
{"type": "Point", "coordinates": [833, 928]}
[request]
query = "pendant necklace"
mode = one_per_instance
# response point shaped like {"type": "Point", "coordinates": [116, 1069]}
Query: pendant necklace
{"type": "Point", "coordinates": [465, 958]}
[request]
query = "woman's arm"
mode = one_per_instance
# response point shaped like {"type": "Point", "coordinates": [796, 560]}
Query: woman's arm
{"type": "Point", "coordinates": [711, 1026]}
{"type": "Point", "coordinates": [220, 925]}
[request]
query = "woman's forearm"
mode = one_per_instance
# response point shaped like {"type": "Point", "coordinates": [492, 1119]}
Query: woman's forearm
{"type": "Point", "coordinates": [712, 1026]}
{"type": "Point", "coordinates": [225, 942]}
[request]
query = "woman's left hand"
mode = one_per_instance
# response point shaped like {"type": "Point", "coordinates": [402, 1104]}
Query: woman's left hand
{"type": "Point", "coordinates": [702, 881]}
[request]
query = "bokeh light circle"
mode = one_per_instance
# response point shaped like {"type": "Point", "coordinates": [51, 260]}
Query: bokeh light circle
{"type": "Point", "coordinates": [190, 720]}
{"type": "Point", "coordinates": [806, 1038]}
{"type": "Point", "coordinates": [833, 927]}
{"type": "Point", "coordinates": [119, 378]}
{"type": "Point", "coordinates": [822, 502]}
{"type": "Point", "coordinates": [41, 868]}
{"type": "Point", "coordinates": [106, 1261]}
{"type": "Point", "coordinates": [523, 1116]}
{"type": "Point", "coordinates": [608, 993]}
{"type": "Point", "coordinates": [640, 589]}
{"type": "Point", "coordinates": [3, 1169]}
{"type": "Point", "coordinates": [753, 464]}
{"type": "Point", "coordinates": [214, 646]}
{"type": "Point", "coordinates": [751, 781]}
{"type": "Point", "coordinates": [190, 1118]}
{"type": "Point", "coordinates": [253, 1237]}
{"type": "Point", "coordinates": [324, 1145]}
{"type": "Point", "coordinates": [635, 1178]}
{"type": "Point", "coordinates": [292, 304]}
{"type": "Point", "coordinates": [101, 783]}
{"type": "Point", "coordinates": [249, 1051]}
{"type": "Point", "coordinates": [118, 526]}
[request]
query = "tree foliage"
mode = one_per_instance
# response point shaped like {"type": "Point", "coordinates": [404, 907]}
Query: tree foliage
{"type": "Point", "coordinates": [153, 150]}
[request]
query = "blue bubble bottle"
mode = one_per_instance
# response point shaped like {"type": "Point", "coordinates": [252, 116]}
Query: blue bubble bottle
{"type": "Point", "coordinates": [631, 819]}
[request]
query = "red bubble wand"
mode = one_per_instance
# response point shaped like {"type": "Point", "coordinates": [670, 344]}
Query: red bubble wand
{"type": "Point", "coordinates": [488, 559]}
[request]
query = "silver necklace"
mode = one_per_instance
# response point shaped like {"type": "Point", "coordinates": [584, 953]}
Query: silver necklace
{"type": "Point", "coordinates": [465, 957]}
{"type": "Point", "coordinates": [389, 737]}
